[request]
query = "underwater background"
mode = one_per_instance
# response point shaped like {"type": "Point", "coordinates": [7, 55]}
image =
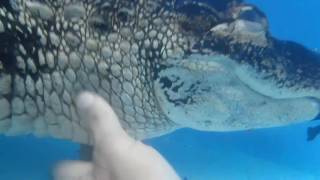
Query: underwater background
{"type": "Point", "coordinates": [278, 153]}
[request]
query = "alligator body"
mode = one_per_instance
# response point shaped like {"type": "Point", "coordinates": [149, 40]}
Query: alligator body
{"type": "Point", "coordinates": [162, 65]}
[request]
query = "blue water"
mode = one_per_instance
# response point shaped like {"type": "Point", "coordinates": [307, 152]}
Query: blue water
{"type": "Point", "coordinates": [279, 153]}
{"type": "Point", "coordinates": [295, 20]}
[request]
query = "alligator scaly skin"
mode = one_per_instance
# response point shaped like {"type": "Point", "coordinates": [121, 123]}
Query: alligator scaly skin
{"type": "Point", "coordinates": [56, 49]}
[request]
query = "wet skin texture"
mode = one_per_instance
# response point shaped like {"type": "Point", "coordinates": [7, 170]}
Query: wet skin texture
{"type": "Point", "coordinates": [162, 65]}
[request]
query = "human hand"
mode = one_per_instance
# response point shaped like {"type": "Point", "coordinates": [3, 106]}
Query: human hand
{"type": "Point", "coordinates": [116, 156]}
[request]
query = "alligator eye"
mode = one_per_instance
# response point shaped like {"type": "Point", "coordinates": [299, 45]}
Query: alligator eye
{"type": "Point", "coordinates": [197, 17]}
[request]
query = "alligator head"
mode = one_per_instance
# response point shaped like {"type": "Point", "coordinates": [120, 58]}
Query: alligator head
{"type": "Point", "coordinates": [162, 65]}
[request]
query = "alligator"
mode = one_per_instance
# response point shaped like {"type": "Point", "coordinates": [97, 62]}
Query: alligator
{"type": "Point", "coordinates": [161, 64]}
